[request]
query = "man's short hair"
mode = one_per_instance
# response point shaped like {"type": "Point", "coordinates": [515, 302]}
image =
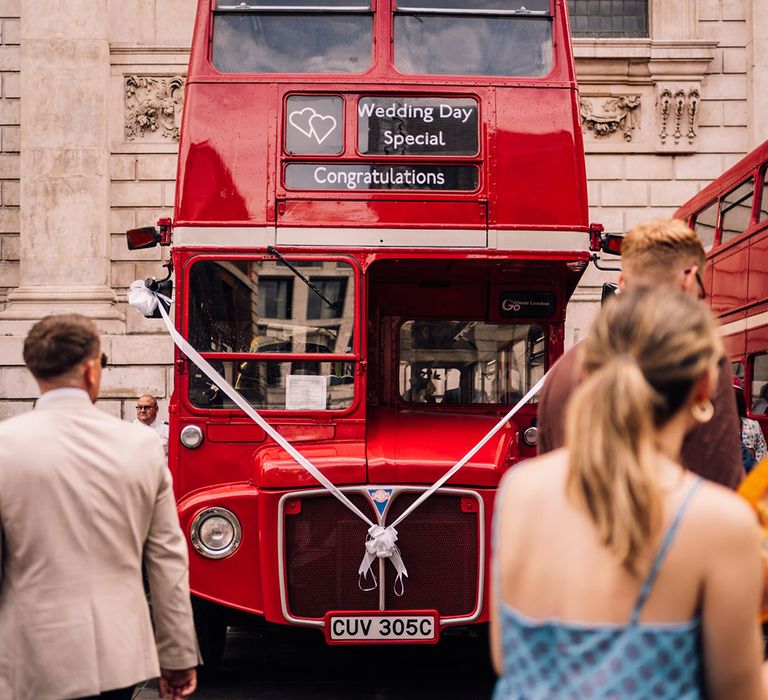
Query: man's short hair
{"type": "Point", "coordinates": [58, 344]}
{"type": "Point", "coordinates": [658, 247]}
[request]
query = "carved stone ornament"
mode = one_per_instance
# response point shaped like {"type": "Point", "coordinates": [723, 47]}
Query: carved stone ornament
{"type": "Point", "coordinates": [677, 112]}
{"type": "Point", "coordinates": [153, 107]}
{"type": "Point", "coordinates": [615, 114]}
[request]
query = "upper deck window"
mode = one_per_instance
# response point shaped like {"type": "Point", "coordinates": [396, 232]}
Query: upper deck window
{"type": "Point", "coordinates": [292, 36]}
{"type": "Point", "coordinates": [706, 222]}
{"type": "Point", "coordinates": [474, 37]}
{"type": "Point", "coordinates": [609, 18]}
{"type": "Point", "coordinates": [762, 214]}
{"type": "Point", "coordinates": [736, 211]}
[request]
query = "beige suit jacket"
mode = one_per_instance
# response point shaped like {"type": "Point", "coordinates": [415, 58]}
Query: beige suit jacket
{"type": "Point", "coordinates": [82, 496]}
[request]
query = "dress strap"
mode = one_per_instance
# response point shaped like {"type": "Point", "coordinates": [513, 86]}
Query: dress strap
{"type": "Point", "coordinates": [662, 553]}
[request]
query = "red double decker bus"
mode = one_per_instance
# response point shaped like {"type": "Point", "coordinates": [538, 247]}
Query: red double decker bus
{"type": "Point", "coordinates": [380, 216]}
{"type": "Point", "coordinates": [731, 217]}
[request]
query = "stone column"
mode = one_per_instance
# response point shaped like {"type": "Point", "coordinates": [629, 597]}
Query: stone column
{"type": "Point", "coordinates": [64, 196]}
{"type": "Point", "coordinates": [757, 71]}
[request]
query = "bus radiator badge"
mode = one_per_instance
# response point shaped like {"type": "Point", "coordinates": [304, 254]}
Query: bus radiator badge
{"type": "Point", "coordinates": [380, 498]}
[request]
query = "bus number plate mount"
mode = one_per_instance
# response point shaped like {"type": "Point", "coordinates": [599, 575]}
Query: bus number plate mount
{"type": "Point", "coordinates": [396, 627]}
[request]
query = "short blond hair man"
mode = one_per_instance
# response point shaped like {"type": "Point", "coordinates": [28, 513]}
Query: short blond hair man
{"type": "Point", "coordinates": [653, 254]}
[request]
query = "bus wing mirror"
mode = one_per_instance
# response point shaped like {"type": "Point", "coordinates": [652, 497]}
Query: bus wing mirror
{"type": "Point", "coordinates": [149, 236]}
{"type": "Point", "coordinates": [600, 241]}
{"type": "Point", "coordinates": [611, 243]}
{"type": "Point", "coordinates": [145, 237]}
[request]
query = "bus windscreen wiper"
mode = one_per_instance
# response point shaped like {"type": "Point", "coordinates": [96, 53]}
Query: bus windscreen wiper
{"type": "Point", "coordinates": [273, 251]}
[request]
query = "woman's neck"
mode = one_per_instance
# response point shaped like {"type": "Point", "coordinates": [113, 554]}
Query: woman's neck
{"type": "Point", "coordinates": [669, 438]}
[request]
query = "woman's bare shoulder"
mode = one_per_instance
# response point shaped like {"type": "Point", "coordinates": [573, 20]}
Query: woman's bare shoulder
{"type": "Point", "coordinates": [536, 474]}
{"type": "Point", "coordinates": [721, 515]}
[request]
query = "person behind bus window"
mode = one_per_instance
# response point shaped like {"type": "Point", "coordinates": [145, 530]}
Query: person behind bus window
{"type": "Point", "coordinates": [662, 252]}
{"type": "Point", "coordinates": [760, 404]}
{"type": "Point", "coordinates": [751, 435]}
{"type": "Point", "coordinates": [616, 572]}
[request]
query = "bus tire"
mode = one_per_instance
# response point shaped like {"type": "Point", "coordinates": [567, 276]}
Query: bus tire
{"type": "Point", "coordinates": [211, 627]}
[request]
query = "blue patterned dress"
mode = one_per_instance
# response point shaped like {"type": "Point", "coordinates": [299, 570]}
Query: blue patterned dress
{"type": "Point", "coordinates": [554, 660]}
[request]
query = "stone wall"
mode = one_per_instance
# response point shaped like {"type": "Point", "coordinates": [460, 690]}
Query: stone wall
{"type": "Point", "coordinates": [662, 117]}
{"type": "Point", "coordinates": [698, 47]}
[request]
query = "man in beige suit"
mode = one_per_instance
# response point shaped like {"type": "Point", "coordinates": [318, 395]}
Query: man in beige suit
{"type": "Point", "coordinates": [83, 496]}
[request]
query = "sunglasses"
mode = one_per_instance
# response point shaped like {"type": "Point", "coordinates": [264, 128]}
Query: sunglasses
{"type": "Point", "coordinates": [702, 293]}
{"type": "Point", "coordinates": [145, 408]}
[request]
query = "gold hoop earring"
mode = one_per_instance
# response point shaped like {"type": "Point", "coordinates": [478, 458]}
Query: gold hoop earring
{"type": "Point", "coordinates": [703, 411]}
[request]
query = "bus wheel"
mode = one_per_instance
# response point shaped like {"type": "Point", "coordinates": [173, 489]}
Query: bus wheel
{"type": "Point", "coordinates": [211, 628]}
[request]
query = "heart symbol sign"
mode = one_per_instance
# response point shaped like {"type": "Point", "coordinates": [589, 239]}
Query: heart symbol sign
{"type": "Point", "coordinates": [313, 125]}
{"type": "Point", "coordinates": [300, 120]}
{"type": "Point", "coordinates": [322, 126]}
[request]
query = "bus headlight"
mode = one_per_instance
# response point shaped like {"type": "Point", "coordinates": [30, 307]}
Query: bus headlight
{"type": "Point", "coordinates": [531, 436]}
{"type": "Point", "coordinates": [191, 436]}
{"type": "Point", "coordinates": [215, 533]}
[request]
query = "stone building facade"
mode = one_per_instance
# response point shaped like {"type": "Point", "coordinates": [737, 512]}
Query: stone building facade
{"type": "Point", "coordinates": [90, 97]}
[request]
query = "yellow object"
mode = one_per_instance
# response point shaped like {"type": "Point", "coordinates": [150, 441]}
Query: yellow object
{"type": "Point", "coordinates": [754, 488]}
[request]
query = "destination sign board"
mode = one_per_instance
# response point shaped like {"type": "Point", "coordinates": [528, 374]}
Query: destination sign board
{"type": "Point", "coordinates": [412, 126]}
{"type": "Point", "coordinates": [380, 176]}
{"type": "Point", "coordinates": [527, 304]}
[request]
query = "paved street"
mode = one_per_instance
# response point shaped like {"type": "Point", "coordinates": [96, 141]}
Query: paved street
{"type": "Point", "coordinates": [300, 666]}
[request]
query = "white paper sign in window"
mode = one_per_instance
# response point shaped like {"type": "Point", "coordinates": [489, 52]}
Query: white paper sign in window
{"type": "Point", "coordinates": [305, 392]}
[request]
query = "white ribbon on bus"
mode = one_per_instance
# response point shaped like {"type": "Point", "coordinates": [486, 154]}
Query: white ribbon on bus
{"type": "Point", "coordinates": [380, 542]}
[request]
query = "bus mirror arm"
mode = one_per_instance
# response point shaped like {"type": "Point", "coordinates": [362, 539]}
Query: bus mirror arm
{"type": "Point", "coordinates": [598, 264]}
{"type": "Point", "coordinates": [163, 287]}
{"type": "Point", "coordinates": [600, 241]}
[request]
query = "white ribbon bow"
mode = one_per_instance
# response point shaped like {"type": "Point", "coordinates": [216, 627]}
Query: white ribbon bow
{"type": "Point", "coordinates": [143, 299]}
{"type": "Point", "coordinates": [381, 545]}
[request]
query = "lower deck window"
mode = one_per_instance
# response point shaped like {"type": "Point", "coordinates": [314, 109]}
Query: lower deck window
{"type": "Point", "coordinates": [469, 362]}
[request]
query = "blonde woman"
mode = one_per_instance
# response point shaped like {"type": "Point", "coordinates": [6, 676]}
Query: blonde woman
{"type": "Point", "coordinates": [617, 573]}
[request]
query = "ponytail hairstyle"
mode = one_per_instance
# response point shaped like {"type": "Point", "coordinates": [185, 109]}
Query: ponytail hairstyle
{"type": "Point", "coordinates": [641, 358]}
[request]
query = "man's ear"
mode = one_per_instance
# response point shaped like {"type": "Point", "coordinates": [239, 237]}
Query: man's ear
{"type": "Point", "coordinates": [91, 379]}
{"type": "Point", "coordinates": [689, 280]}
{"type": "Point", "coordinates": [620, 281]}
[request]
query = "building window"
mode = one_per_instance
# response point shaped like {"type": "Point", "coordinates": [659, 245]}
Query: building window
{"type": "Point", "coordinates": [609, 18]}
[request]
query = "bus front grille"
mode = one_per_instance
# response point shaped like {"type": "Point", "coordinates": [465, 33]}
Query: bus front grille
{"type": "Point", "coordinates": [439, 543]}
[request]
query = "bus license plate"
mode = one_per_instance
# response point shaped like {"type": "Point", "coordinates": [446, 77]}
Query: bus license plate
{"type": "Point", "coordinates": [345, 628]}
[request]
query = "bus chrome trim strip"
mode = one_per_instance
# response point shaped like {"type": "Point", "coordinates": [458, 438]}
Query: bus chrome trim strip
{"type": "Point", "coordinates": [384, 237]}
{"type": "Point", "coordinates": [744, 324]}
{"type": "Point", "coordinates": [380, 519]}
{"type": "Point", "coordinates": [224, 236]}
{"type": "Point", "coordinates": [539, 240]}
{"type": "Point", "coordinates": [468, 11]}
{"type": "Point", "coordinates": [492, 239]}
